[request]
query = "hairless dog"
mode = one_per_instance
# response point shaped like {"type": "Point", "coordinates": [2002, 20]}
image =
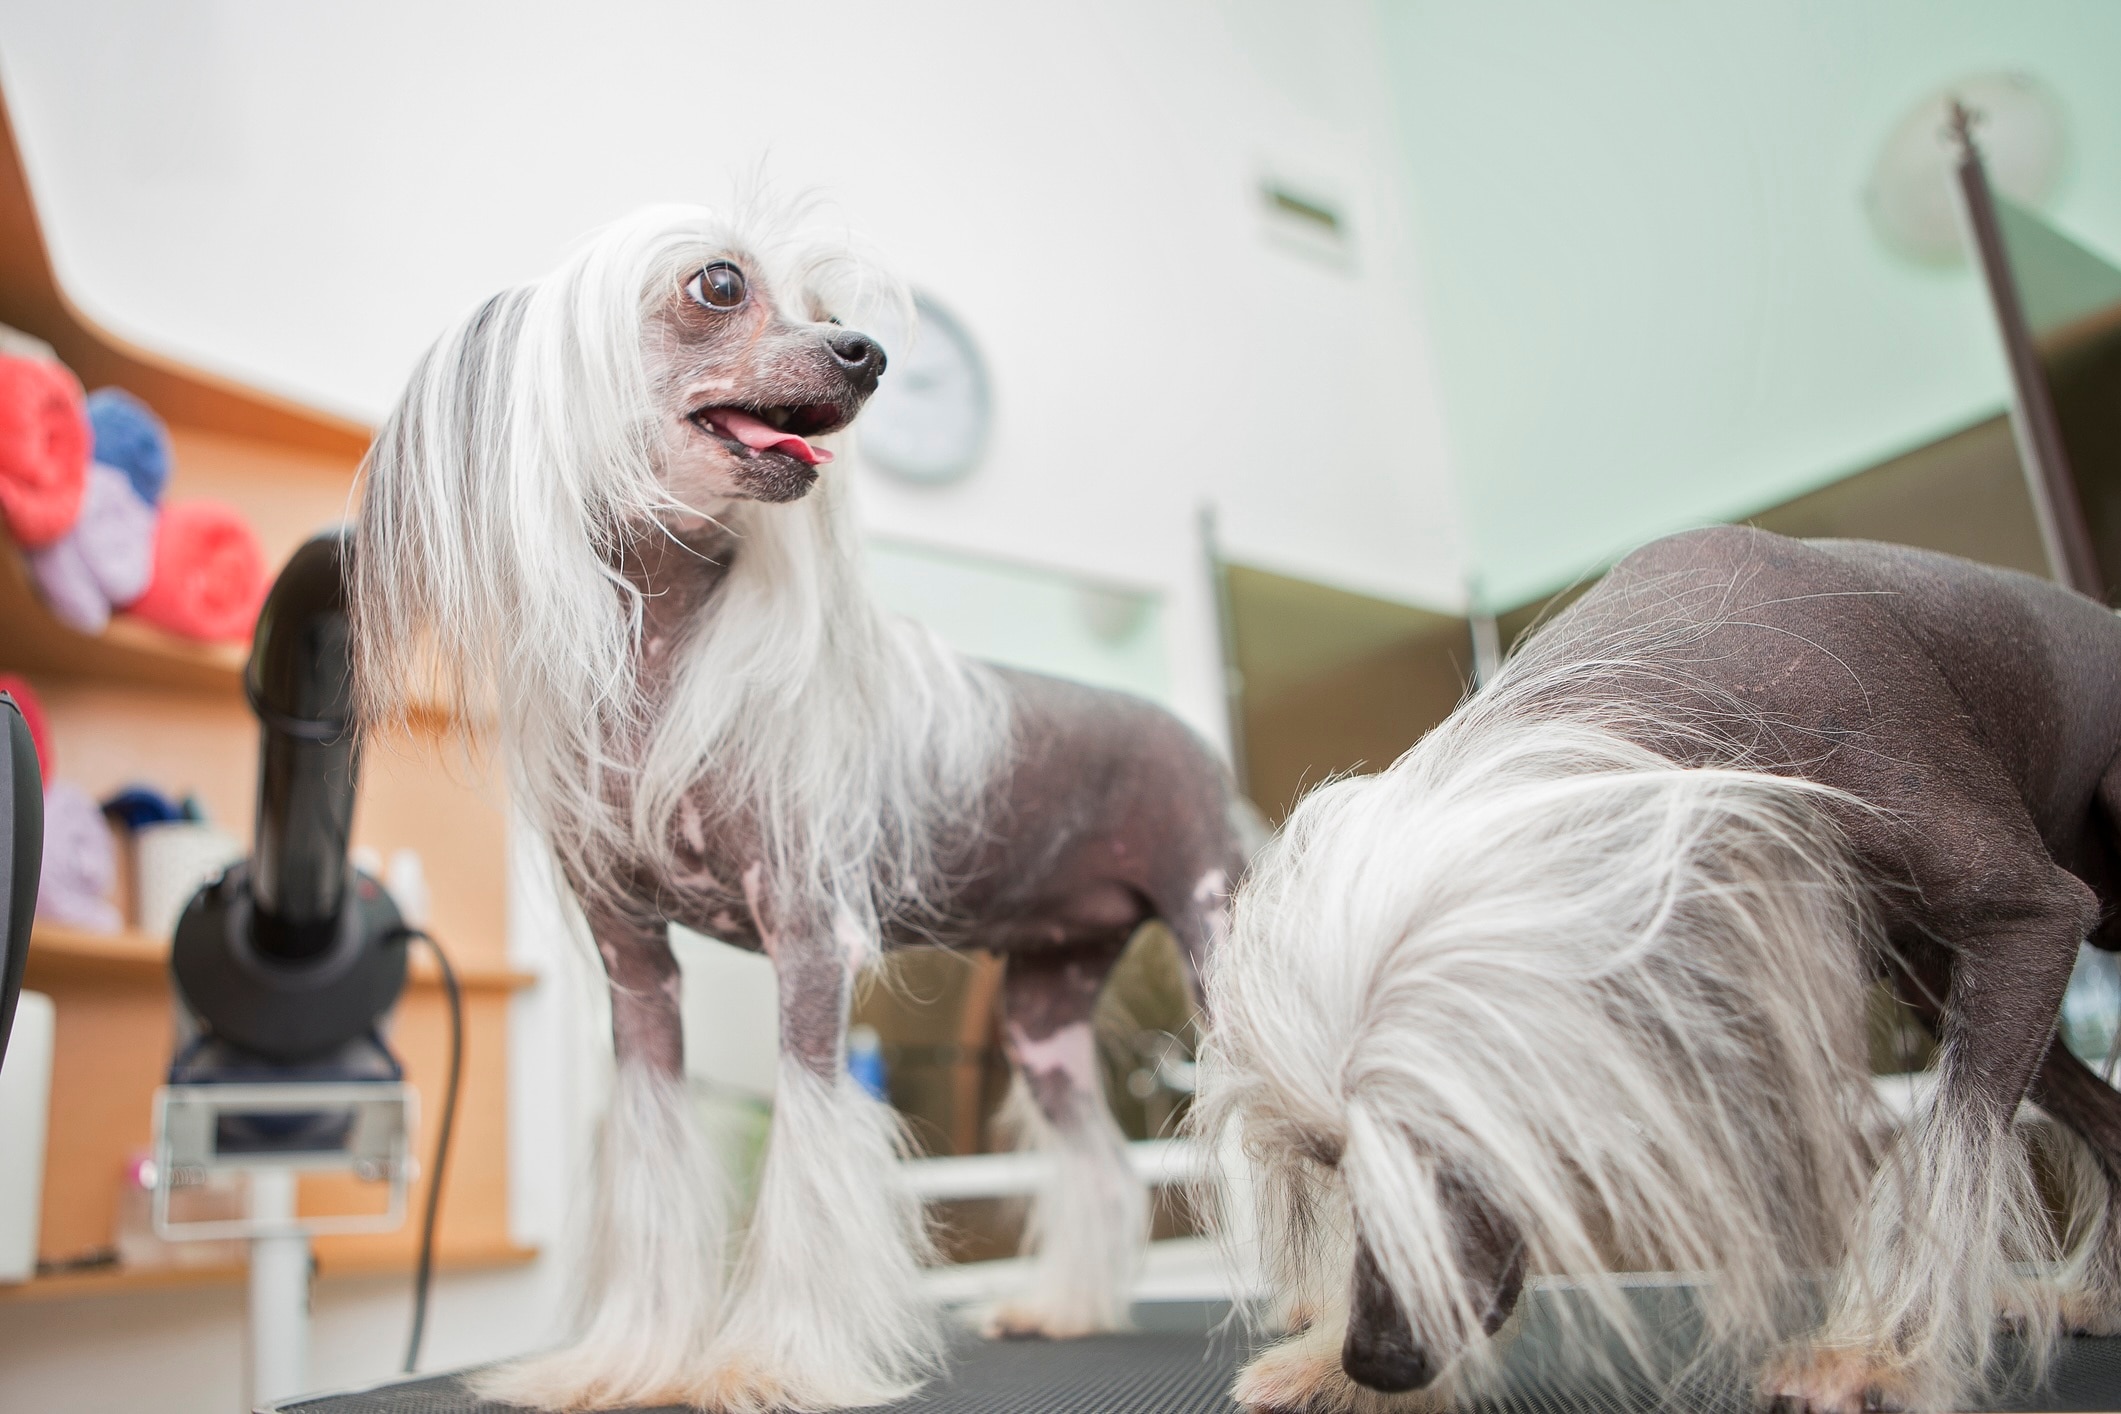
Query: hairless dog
{"type": "Point", "coordinates": [1600, 944]}
{"type": "Point", "coordinates": [598, 516]}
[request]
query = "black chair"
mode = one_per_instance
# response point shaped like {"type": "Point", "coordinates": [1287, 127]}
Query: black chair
{"type": "Point", "coordinates": [21, 856]}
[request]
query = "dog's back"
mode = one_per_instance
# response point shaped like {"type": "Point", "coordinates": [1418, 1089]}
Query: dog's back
{"type": "Point", "coordinates": [1963, 700]}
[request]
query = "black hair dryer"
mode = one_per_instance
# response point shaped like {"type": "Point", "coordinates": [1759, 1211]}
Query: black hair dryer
{"type": "Point", "coordinates": [286, 965]}
{"type": "Point", "coordinates": [289, 960]}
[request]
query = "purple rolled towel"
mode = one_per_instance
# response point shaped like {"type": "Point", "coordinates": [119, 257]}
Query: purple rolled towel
{"type": "Point", "coordinates": [80, 862]}
{"type": "Point", "coordinates": [104, 562]}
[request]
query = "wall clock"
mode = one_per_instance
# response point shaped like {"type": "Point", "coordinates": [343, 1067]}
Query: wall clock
{"type": "Point", "coordinates": [928, 421]}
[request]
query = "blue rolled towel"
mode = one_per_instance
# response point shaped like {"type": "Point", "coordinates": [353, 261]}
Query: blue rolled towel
{"type": "Point", "coordinates": [137, 805]}
{"type": "Point", "coordinates": [131, 438]}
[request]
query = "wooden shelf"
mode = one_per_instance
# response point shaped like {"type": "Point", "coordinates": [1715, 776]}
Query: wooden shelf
{"type": "Point", "coordinates": [117, 1281]}
{"type": "Point", "coordinates": [127, 652]}
{"type": "Point", "coordinates": [133, 704]}
{"type": "Point", "coordinates": [73, 954]}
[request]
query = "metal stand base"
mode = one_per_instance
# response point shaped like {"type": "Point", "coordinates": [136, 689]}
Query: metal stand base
{"type": "Point", "coordinates": [279, 1290]}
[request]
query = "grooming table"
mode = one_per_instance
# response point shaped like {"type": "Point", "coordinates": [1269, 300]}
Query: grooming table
{"type": "Point", "coordinates": [1181, 1361]}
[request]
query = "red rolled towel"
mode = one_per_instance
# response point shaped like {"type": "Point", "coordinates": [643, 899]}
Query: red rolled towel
{"type": "Point", "coordinates": [40, 732]}
{"type": "Point", "coordinates": [44, 445]}
{"type": "Point", "coordinates": [209, 578]}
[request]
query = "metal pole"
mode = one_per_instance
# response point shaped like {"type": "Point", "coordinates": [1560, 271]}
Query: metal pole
{"type": "Point", "coordinates": [279, 1290]}
{"type": "Point", "coordinates": [1226, 628]}
{"type": "Point", "coordinates": [1487, 645]}
{"type": "Point", "coordinates": [2067, 538]}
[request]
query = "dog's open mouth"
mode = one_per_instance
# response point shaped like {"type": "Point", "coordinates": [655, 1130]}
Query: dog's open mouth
{"type": "Point", "coordinates": [772, 431]}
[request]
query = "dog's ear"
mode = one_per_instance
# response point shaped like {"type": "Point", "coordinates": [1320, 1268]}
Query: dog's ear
{"type": "Point", "coordinates": [419, 529]}
{"type": "Point", "coordinates": [487, 503]}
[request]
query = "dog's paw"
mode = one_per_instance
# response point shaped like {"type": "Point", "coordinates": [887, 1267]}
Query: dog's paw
{"type": "Point", "coordinates": [1302, 1375]}
{"type": "Point", "coordinates": [1836, 1380]}
{"type": "Point", "coordinates": [1293, 1377]}
{"type": "Point", "coordinates": [1034, 1320]}
{"type": "Point", "coordinates": [2070, 1310]}
{"type": "Point", "coordinates": [2084, 1312]}
{"type": "Point", "coordinates": [738, 1386]}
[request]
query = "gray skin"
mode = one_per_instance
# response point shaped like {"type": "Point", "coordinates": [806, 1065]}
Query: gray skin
{"type": "Point", "coordinates": [1980, 709]}
{"type": "Point", "coordinates": [1108, 812]}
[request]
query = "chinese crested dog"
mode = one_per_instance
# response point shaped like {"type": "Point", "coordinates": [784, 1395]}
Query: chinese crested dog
{"type": "Point", "coordinates": [600, 517]}
{"type": "Point", "coordinates": [1579, 985]}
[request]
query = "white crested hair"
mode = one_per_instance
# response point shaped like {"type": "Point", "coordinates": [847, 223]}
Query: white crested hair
{"type": "Point", "coordinates": [1622, 999]}
{"type": "Point", "coordinates": [520, 463]}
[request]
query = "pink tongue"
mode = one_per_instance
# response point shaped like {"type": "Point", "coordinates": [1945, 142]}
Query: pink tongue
{"type": "Point", "coordinates": [765, 437]}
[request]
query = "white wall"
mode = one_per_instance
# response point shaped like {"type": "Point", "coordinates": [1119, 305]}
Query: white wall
{"type": "Point", "coordinates": [1652, 287]}
{"type": "Point", "coordinates": [302, 196]}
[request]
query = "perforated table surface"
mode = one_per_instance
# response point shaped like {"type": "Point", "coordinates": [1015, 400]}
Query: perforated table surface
{"type": "Point", "coordinates": [1179, 1364]}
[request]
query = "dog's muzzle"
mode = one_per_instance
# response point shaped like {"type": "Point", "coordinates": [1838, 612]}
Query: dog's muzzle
{"type": "Point", "coordinates": [1380, 1352]}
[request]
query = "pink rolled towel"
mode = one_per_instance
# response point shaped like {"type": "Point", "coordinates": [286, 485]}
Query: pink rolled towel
{"type": "Point", "coordinates": [80, 862]}
{"type": "Point", "coordinates": [103, 563]}
{"type": "Point", "coordinates": [209, 577]}
{"type": "Point", "coordinates": [44, 445]}
{"type": "Point", "coordinates": [32, 709]}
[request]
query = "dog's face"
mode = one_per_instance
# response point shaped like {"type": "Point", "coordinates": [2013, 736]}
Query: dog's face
{"type": "Point", "coordinates": [742, 386]}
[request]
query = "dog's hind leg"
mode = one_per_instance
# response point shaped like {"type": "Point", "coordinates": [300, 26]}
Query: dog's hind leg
{"type": "Point", "coordinates": [828, 1308]}
{"type": "Point", "coordinates": [649, 1300]}
{"type": "Point", "coordinates": [1090, 1217]}
{"type": "Point", "coordinates": [1954, 1215]}
{"type": "Point", "coordinates": [2090, 1284]}
{"type": "Point", "coordinates": [2068, 1090]}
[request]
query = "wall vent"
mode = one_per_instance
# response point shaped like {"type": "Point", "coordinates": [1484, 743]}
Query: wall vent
{"type": "Point", "coordinates": [1300, 218]}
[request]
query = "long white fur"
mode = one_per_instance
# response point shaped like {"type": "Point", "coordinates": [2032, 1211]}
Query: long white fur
{"type": "Point", "coordinates": [1621, 997]}
{"type": "Point", "coordinates": [850, 744]}
{"type": "Point", "coordinates": [1954, 1237]}
{"type": "Point", "coordinates": [2087, 1282]}
{"type": "Point", "coordinates": [827, 1309]}
{"type": "Point", "coordinates": [1087, 1225]}
{"type": "Point", "coordinates": [522, 455]}
{"type": "Point", "coordinates": [649, 1297]}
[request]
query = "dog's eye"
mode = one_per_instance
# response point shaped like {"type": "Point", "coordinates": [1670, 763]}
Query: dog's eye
{"type": "Point", "coordinates": [719, 286]}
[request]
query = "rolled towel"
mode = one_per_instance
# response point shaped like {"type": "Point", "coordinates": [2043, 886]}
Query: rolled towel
{"type": "Point", "coordinates": [131, 438]}
{"type": "Point", "coordinates": [80, 862]}
{"type": "Point", "coordinates": [137, 805]}
{"type": "Point", "coordinates": [103, 563]}
{"type": "Point", "coordinates": [40, 730]}
{"type": "Point", "coordinates": [209, 577]}
{"type": "Point", "coordinates": [44, 440]}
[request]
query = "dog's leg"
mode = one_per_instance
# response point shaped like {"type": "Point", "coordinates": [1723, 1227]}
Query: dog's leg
{"type": "Point", "coordinates": [2090, 1288]}
{"type": "Point", "coordinates": [1090, 1217]}
{"type": "Point", "coordinates": [649, 1298]}
{"type": "Point", "coordinates": [1912, 1322]}
{"type": "Point", "coordinates": [828, 1309]}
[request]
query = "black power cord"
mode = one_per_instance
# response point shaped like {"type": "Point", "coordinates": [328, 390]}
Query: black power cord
{"type": "Point", "coordinates": [423, 1276]}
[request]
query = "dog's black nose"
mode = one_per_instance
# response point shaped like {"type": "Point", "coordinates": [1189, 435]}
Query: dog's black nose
{"type": "Point", "coordinates": [1387, 1366]}
{"type": "Point", "coordinates": [860, 356]}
